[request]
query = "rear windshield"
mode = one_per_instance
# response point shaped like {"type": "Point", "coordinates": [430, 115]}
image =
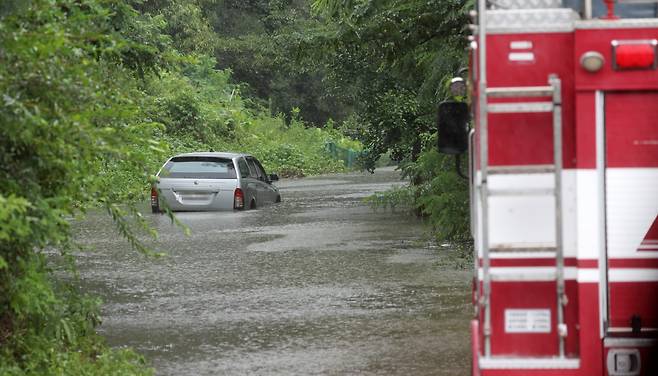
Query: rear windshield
{"type": "Point", "coordinates": [199, 168]}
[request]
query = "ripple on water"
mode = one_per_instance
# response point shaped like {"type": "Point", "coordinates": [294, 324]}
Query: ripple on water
{"type": "Point", "coordinates": [319, 284]}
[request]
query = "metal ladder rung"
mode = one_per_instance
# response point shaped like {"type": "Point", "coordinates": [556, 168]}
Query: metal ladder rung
{"type": "Point", "coordinates": [523, 276]}
{"type": "Point", "coordinates": [525, 91]}
{"type": "Point", "coordinates": [528, 363]}
{"type": "Point", "coordinates": [522, 192]}
{"type": "Point", "coordinates": [527, 169]}
{"type": "Point", "coordinates": [520, 107]}
{"type": "Point", "coordinates": [522, 249]}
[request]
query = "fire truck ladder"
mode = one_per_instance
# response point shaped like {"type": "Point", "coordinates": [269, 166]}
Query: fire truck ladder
{"type": "Point", "coordinates": [553, 90]}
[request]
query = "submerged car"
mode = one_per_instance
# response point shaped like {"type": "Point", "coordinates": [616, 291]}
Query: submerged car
{"type": "Point", "coordinates": [213, 181]}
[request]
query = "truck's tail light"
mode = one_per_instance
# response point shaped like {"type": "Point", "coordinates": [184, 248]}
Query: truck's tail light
{"type": "Point", "coordinates": [238, 199]}
{"type": "Point", "coordinates": [634, 54]}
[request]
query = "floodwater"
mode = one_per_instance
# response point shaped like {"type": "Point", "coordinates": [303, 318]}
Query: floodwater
{"type": "Point", "coordinates": [317, 285]}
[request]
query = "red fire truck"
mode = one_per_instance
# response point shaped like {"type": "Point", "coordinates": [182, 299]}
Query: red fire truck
{"type": "Point", "coordinates": [564, 187]}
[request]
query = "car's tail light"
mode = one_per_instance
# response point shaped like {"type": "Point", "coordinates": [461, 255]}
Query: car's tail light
{"type": "Point", "coordinates": [154, 196]}
{"type": "Point", "coordinates": [238, 199]}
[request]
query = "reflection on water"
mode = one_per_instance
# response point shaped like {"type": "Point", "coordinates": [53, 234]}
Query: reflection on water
{"type": "Point", "coordinates": [318, 284]}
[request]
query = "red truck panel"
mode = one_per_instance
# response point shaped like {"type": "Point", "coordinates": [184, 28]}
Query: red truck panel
{"type": "Point", "coordinates": [522, 139]}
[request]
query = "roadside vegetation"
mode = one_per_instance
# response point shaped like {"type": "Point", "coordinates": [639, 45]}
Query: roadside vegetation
{"type": "Point", "coordinates": [377, 68]}
{"type": "Point", "coordinates": [95, 94]}
{"type": "Point", "coordinates": [393, 60]}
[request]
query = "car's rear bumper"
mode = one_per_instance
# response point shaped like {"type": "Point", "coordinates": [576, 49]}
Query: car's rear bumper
{"type": "Point", "coordinates": [220, 201]}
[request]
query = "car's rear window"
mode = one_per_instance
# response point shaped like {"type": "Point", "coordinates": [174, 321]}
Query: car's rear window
{"type": "Point", "coordinates": [199, 168]}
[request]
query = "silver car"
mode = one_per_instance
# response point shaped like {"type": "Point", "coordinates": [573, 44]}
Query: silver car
{"type": "Point", "coordinates": [213, 181]}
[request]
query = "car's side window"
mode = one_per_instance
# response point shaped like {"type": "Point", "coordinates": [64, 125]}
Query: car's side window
{"type": "Point", "coordinates": [261, 170]}
{"type": "Point", "coordinates": [244, 169]}
{"type": "Point", "coordinates": [255, 173]}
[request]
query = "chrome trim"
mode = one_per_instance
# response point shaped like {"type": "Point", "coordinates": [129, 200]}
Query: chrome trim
{"type": "Point", "coordinates": [599, 108]}
{"type": "Point", "coordinates": [484, 162]}
{"type": "Point", "coordinates": [505, 108]}
{"type": "Point", "coordinates": [529, 363]}
{"type": "Point", "coordinates": [629, 342]}
{"type": "Point", "coordinates": [530, 254]}
{"type": "Point", "coordinates": [520, 45]}
{"type": "Point", "coordinates": [626, 23]}
{"type": "Point", "coordinates": [525, 21]}
{"type": "Point", "coordinates": [474, 72]}
{"type": "Point", "coordinates": [628, 330]}
{"type": "Point", "coordinates": [522, 169]}
{"type": "Point", "coordinates": [559, 251]}
{"type": "Point", "coordinates": [523, 91]}
{"type": "Point", "coordinates": [525, 4]}
{"type": "Point", "coordinates": [530, 274]}
{"type": "Point", "coordinates": [522, 192]}
{"type": "Point", "coordinates": [524, 248]}
{"type": "Point", "coordinates": [521, 57]}
{"type": "Point", "coordinates": [471, 185]}
{"type": "Point", "coordinates": [473, 213]}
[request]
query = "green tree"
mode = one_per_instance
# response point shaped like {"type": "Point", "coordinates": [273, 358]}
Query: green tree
{"type": "Point", "coordinates": [391, 60]}
{"type": "Point", "coordinates": [254, 42]}
{"type": "Point", "coordinates": [71, 104]}
{"type": "Point", "coordinates": [182, 21]}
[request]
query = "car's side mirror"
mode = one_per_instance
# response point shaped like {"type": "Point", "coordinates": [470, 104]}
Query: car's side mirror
{"type": "Point", "coordinates": [452, 124]}
{"type": "Point", "coordinates": [274, 177]}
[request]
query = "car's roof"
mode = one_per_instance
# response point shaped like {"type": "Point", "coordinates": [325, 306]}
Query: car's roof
{"type": "Point", "coordinates": [227, 155]}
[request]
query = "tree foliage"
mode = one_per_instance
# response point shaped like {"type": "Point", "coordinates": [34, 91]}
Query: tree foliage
{"type": "Point", "coordinates": [392, 60]}
{"type": "Point", "coordinates": [254, 41]}
{"type": "Point", "coordinates": [70, 104]}
{"type": "Point", "coordinates": [94, 95]}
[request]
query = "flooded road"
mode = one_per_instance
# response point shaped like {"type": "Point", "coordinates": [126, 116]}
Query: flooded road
{"type": "Point", "coordinates": [317, 285]}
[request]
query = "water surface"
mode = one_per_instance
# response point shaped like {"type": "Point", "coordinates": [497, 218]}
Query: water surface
{"type": "Point", "coordinates": [317, 285]}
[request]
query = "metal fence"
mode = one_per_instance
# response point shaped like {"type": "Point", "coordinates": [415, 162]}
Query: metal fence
{"type": "Point", "coordinates": [348, 156]}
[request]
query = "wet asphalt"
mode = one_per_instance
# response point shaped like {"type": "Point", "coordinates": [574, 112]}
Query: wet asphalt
{"type": "Point", "coordinates": [317, 285]}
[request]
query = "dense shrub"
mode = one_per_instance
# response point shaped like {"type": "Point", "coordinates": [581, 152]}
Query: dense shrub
{"type": "Point", "coordinates": [291, 150]}
{"type": "Point", "coordinates": [69, 109]}
{"type": "Point", "coordinates": [94, 97]}
{"type": "Point", "coordinates": [438, 194]}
